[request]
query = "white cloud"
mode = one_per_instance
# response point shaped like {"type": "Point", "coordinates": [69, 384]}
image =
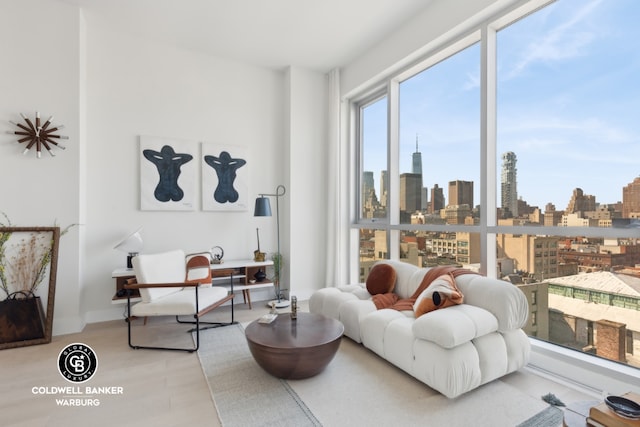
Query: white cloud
{"type": "Point", "coordinates": [568, 39]}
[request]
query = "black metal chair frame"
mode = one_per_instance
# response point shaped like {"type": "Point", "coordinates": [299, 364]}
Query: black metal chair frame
{"type": "Point", "coordinates": [196, 316]}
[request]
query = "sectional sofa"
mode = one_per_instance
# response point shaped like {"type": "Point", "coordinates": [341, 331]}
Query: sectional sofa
{"type": "Point", "coordinates": [474, 340]}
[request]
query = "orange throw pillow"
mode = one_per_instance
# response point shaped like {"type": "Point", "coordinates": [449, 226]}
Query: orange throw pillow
{"type": "Point", "coordinates": [381, 279]}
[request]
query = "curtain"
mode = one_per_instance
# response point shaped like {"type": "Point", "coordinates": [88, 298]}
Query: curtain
{"type": "Point", "coordinates": [337, 233]}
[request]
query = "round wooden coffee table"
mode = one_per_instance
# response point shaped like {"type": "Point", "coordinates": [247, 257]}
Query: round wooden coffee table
{"type": "Point", "coordinates": [294, 349]}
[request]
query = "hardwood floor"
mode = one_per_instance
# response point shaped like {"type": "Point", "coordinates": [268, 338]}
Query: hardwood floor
{"type": "Point", "coordinates": [159, 388]}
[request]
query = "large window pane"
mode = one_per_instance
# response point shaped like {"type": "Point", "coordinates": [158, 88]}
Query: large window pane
{"type": "Point", "coordinates": [582, 293]}
{"type": "Point", "coordinates": [373, 247]}
{"type": "Point", "coordinates": [567, 148]}
{"type": "Point", "coordinates": [568, 131]}
{"type": "Point", "coordinates": [431, 249]}
{"type": "Point", "coordinates": [373, 178]}
{"type": "Point", "coordinates": [568, 141]}
{"type": "Point", "coordinates": [439, 142]}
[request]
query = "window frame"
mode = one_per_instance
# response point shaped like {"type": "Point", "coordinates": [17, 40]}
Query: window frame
{"type": "Point", "coordinates": [548, 358]}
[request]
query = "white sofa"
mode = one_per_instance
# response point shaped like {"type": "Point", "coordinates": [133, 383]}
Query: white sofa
{"type": "Point", "coordinates": [452, 350]}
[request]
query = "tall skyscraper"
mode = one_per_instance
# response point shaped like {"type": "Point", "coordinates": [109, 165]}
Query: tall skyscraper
{"type": "Point", "coordinates": [410, 192]}
{"type": "Point", "coordinates": [384, 184]}
{"type": "Point", "coordinates": [437, 199]}
{"type": "Point", "coordinates": [461, 193]}
{"type": "Point", "coordinates": [509, 184]}
{"type": "Point", "coordinates": [367, 184]}
{"type": "Point", "coordinates": [417, 160]}
{"type": "Point", "coordinates": [416, 169]}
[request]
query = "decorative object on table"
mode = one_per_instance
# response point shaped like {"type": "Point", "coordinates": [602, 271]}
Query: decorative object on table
{"type": "Point", "coordinates": [271, 315]}
{"type": "Point", "coordinates": [131, 245]}
{"type": "Point", "coordinates": [260, 275]}
{"type": "Point", "coordinates": [257, 255]}
{"type": "Point", "coordinates": [168, 174]}
{"type": "Point", "coordinates": [263, 208]}
{"type": "Point", "coordinates": [225, 178]}
{"type": "Point", "coordinates": [28, 259]}
{"type": "Point", "coordinates": [38, 134]}
{"type": "Point", "coordinates": [624, 407]}
{"type": "Point", "coordinates": [217, 253]}
{"type": "Point", "coordinates": [617, 411]}
{"type": "Point", "coordinates": [294, 307]}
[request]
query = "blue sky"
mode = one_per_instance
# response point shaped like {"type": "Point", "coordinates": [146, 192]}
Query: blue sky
{"type": "Point", "coordinates": [568, 106]}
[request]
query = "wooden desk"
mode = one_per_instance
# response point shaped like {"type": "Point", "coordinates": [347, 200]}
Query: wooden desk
{"type": "Point", "coordinates": [242, 272]}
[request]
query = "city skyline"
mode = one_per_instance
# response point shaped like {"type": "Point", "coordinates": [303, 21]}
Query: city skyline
{"type": "Point", "coordinates": [567, 106]}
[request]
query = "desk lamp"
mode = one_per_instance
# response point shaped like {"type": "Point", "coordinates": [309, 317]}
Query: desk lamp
{"type": "Point", "coordinates": [132, 245]}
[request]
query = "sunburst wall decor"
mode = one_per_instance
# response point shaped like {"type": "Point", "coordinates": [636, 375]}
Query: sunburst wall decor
{"type": "Point", "coordinates": [40, 135]}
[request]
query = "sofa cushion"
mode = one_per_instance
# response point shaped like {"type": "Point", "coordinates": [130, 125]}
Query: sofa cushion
{"type": "Point", "coordinates": [440, 293]}
{"type": "Point", "coordinates": [455, 325]}
{"type": "Point", "coordinates": [381, 279]}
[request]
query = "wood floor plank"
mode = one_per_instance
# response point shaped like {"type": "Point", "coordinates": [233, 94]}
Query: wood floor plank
{"type": "Point", "coordinates": [160, 388]}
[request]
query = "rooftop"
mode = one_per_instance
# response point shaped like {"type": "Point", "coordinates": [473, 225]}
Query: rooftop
{"type": "Point", "coordinates": [603, 281]}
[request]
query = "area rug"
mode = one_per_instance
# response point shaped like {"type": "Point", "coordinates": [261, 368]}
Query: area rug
{"type": "Point", "coordinates": [244, 394]}
{"type": "Point", "coordinates": [551, 416]}
{"type": "Point", "coordinates": [358, 388]}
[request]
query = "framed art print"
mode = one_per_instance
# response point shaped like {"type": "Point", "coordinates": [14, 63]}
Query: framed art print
{"type": "Point", "coordinates": [168, 174]}
{"type": "Point", "coordinates": [225, 177]}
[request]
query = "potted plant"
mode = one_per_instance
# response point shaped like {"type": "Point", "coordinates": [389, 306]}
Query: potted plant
{"type": "Point", "coordinates": [28, 255]}
{"type": "Point", "coordinates": [277, 269]}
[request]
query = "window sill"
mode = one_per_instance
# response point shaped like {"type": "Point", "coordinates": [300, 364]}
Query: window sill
{"type": "Point", "coordinates": [589, 373]}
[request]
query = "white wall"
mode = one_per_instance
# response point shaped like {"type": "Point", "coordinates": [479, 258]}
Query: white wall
{"type": "Point", "coordinates": [140, 88]}
{"type": "Point", "coordinates": [307, 100]}
{"type": "Point", "coordinates": [39, 46]}
{"type": "Point", "coordinates": [108, 88]}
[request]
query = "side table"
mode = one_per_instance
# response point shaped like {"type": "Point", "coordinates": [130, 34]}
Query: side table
{"type": "Point", "coordinates": [294, 349]}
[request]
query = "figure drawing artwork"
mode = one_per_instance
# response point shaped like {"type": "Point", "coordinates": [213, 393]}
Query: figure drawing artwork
{"type": "Point", "coordinates": [224, 178]}
{"type": "Point", "coordinates": [168, 172]}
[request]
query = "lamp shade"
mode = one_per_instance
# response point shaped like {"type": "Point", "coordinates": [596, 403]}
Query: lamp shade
{"type": "Point", "coordinates": [263, 207]}
{"type": "Point", "coordinates": [132, 244]}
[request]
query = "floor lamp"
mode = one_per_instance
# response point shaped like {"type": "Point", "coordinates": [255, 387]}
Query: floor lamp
{"type": "Point", "coordinates": [263, 208]}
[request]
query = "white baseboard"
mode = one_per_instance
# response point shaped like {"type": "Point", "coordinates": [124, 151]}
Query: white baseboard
{"type": "Point", "coordinates": [67, 325]}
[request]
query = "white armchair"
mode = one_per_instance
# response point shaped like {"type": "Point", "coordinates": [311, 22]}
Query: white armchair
{"type": "Point", "coordinates": [171, 285]}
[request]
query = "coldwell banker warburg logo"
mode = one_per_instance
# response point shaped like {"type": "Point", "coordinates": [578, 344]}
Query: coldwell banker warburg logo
{"type": "Point", "coordinates": [77, 363]}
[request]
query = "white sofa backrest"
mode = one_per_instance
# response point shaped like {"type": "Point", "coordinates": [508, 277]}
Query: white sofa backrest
{"type": "Point", "coordinates": [405, 281]}
{"type": "Point", "coordinates": [503, 299]}
{"type": "Point", "coordinates": [167, 267]}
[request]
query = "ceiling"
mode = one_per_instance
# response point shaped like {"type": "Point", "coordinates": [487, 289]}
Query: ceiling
{"type": "Point", "coordinates": [314, 34]}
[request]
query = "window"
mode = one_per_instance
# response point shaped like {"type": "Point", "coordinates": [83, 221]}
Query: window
{"type": "Point", "coordinates": [558, 177]}
{"type": "Point", "coordinates": [566, 86]}
{"type": "Point", "coordinates": [439, 142]}
{"type": "Point", "coordinates": [373, 179]}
